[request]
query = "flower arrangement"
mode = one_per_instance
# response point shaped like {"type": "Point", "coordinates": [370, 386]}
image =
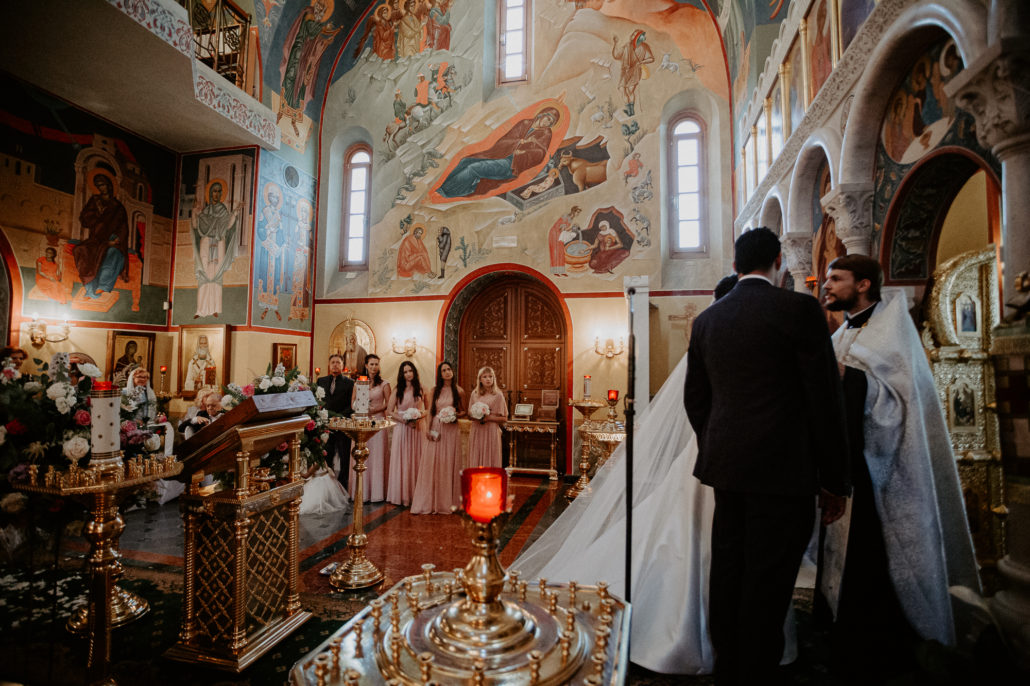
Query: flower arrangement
{"type": "Point", "coordinates": [447, 415]}
{"type": "Point", "coordinates": [44, 418]}
{"type": "Point", "coordinates": [479, 410]}
{"type": "Point", "coordinates": [316, 432]}
{"type": "Point", "coordinates": [411, 414]}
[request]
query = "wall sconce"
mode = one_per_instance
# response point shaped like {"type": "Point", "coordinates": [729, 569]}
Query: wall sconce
{"type": "Point", "coordinates": [609, 350]}
{"type": "Point", "coordinates": [40, 333]}
{"type": "Point", "coordinates": [409, 349]}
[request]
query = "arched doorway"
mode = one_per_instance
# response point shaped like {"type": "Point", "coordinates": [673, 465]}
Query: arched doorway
{"type": "Point", "coordinates": [516, 326]}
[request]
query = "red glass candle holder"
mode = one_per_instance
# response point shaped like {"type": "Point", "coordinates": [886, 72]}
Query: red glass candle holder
{"type": "Point", "coordinates": [613, 395]}
{"type": "Point", "coordinates": [103, 386]}
{"type": "Point", "coordinates": [484, 492]}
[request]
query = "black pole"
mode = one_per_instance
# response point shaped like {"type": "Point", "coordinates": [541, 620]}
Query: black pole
{"type": "Point", "coordinates": [629, 411]}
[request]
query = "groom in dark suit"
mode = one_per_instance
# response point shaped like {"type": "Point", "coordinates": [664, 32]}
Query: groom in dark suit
{"type": "Point", "coordinates": [338, 390]}
{"type": "Point", "coordinates": [763, 394]}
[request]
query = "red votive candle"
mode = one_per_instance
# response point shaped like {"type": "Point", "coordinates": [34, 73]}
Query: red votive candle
{"type": "Point", "coordinates": [362, 378]}
{"type": "Point", "coordinates": [318, 370]}
{"type": "Point", "coordinates": [484, 492]}
{"type": "Point", "coordinates": [164, 368]}
{"type": "Point", "coordinates": [613, 394]}
{"type": "Point", "coordinates": [102, 386]}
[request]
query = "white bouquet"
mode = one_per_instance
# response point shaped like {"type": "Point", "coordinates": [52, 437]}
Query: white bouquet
{"type": "Point", "coordinates": [479, 410]}
{"type": "Point", "coordinates": [447, 415]}
{"type": "Point", "coordinates": [411, 414]}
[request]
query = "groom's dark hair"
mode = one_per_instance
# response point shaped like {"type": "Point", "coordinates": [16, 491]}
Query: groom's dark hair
{"type": "Point", "coordinates": [755, 250]}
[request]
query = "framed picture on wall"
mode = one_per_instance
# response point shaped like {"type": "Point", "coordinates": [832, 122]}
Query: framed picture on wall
{"type": "Point", "coordinates": [127, 350]}
{"type": "Point", "coordinates": [203, 358]}
{"type": "Point", "coordinates": [284, 354]}
{"type": "Point", "coordinates": [962, 407]}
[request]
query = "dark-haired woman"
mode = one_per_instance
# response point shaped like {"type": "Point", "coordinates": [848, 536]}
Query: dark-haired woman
{"type": "Point", "coordinates": [438, 486]}
{"type": "Point", "coordinates": [407, 407]}
{"type": "Point", "coordinates": [375, 466]}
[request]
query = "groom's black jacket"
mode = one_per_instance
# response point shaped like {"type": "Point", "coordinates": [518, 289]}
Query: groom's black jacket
{"type": "Point", "coordinates": [763, 394]}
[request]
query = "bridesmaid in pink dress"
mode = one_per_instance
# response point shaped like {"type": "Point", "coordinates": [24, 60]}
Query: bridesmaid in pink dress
{"type": "Point", "coordinates": [375, 472]}
{"type": "Point", "coordinates": [407, 440]}
{"type": "Point", "coordinates": [439, 479]}
{"type": "Point", "coordinates": [485, 434]}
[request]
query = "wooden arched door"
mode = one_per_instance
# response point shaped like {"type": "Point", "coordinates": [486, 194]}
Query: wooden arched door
{"type": "Point", "coordinates": [515, 326]}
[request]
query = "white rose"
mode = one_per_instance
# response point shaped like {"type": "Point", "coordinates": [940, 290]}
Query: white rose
{"type": "Point", "coordinates": [89, 370]}
{"type": "Point", "coordinates": [153, 443]}
{"type": "Point", "coordinates": [63, 406]}
{"type": "Point", "coordinates": [265, 383]}
{"type": "Point", "coordinates": [76, 448]}
{"type": "Point", "coordinates": [57, 390]}
{"type": "Point", "coordinates": [278, 381]}
{"type": "Point", "coordinates": [325, 437]}
{"type": "Point", "coordinates": [323, 414]}
{"type": "Point", "coordinates": [228, 401]}
{"type": "Point", "coordinates": [294, 385]}
{"type": "Point", "coordinates": [279, 370]}
{"type": "Point", "coordinates": [13, 502]}
{"type": "Point", "coordinates": [33, 386]}
{"type": "Point", "coordinates": [303, 379]}
{"type": "Point", "coordinates": [320, 394]}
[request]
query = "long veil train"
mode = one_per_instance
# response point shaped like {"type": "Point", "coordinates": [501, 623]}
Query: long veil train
{"type": "Point", "coordinates": [672, 515]}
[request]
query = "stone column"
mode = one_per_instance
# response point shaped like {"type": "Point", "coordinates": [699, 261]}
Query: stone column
{"type": "Point", "coordinates": [851, 206]}
{"type": "Point", "coordinates": [640, 301]}
{"type": "Point", "coordinates": [797, 257]}
{"type": "Point", "coordinates": [995, 89]}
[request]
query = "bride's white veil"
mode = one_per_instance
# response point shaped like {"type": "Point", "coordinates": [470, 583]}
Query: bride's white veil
{"type": "Point", "coordinates": [662, 435]}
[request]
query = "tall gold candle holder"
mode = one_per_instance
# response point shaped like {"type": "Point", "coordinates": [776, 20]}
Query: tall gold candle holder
{"type": "Point", "coordinates": [586, 408]}
{"type": "Point", "coordinates": [358, 571]}
{"type": "Point", "coordinates": [477, 625]}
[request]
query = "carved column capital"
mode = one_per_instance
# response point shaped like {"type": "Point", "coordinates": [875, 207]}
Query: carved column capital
{"type": "Point", "coordinates": [851, 206]}
{"type": "Point", "coordinates": [797, 254]}
{"type": "Point", "coordinates": [996, 91]}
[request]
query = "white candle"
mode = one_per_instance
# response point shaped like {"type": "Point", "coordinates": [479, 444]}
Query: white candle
{"type": "Point", "coordinates": [586, 386]}
{"type": "Point", "coordinates": [361, 396]}
{"type": "Point", "coordinates": [105, 407]}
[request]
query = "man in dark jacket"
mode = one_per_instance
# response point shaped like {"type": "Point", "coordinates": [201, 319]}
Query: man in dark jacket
{"type": "Point", "coordinates": [338, 390]}
{"type": "Point", "coordinates": [763, 395]}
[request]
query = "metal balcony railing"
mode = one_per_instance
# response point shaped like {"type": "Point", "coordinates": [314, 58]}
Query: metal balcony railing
{"type": "Point", "coordinates": [221, 32]}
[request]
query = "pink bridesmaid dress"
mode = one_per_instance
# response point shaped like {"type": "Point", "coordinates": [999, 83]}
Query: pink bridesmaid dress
{"type": "Point", "coordinates": [438, 486]}
{"type": "Point", "coordinates": [485, 438]}
{"type": "Point", "coordinates": [405, 453]}
{"type": "Point", "coordinates": [375, 472]}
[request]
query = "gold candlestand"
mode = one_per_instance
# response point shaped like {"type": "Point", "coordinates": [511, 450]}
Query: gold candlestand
{"type": "Point", "coordinates": [586, 408]}
{"type": "Point", "coordinates": [358, 571]}
{"type": "Point", "coordinates": [477, 626]}
{"type": "Point", "coordinates": [100, 487]}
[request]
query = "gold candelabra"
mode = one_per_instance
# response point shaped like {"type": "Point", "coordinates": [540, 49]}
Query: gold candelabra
{"type": "Point", "coordinates": [477, 626]}
{"type": "Point", "coordinates": [100, 487]}
{"type": "Point", "coordinates": [358, 571]}
{"type": "Point", "coordinates": [586, 408]}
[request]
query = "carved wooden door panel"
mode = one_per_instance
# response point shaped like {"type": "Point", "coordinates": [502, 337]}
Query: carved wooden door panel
{"type": "Point", "coordinates": [517, 328]}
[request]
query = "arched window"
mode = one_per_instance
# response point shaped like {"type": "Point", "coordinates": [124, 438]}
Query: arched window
{"type": "Point", "coordinates": [357, 181]}
{"type": "Point", "coordinates": [688, 225]}
{"type": "Point", "coordinates": [513, 40]}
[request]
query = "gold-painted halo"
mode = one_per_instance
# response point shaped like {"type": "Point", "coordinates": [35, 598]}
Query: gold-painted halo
{"type": "Point", "coordinates": [304, 202]}
{"type": "Point", "coordinates": [210, 185]}
{"type": "Point", "coordinates": [91, 179]}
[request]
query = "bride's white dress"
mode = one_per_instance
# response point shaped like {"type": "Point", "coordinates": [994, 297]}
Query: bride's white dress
{"type": "Point", "coordinates": [672, 524]}
{"type": "Point", "coordinates": [323, 493]}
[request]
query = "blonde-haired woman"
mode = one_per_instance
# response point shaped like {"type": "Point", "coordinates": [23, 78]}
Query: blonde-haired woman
{"type": "Point", "coordinates": [487, 410]}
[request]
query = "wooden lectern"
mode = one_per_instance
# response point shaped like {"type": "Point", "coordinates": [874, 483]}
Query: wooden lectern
{"type": "Point", "coordinates": [240, 594]}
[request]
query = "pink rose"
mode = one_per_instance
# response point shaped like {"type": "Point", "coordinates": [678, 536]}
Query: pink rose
{"type": "Point", "coordinates": [128, 426]}
{"type": "Point", "coordinates": [282, 447]}
{"type": "Point", "coordinates": [82, 418]}
{"type": "Point", "coordinates": [9, 372]}
{"type": "Point", "coordinates": [248, 390]}
{"type": "Point", "coordinates": [310, 426]}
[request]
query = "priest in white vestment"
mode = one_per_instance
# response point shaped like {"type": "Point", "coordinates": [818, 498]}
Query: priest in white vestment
{"type": "Point", "coordinates": [889, 564]}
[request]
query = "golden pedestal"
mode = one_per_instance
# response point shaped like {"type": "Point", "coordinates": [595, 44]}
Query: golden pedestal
{"type": "Point", "coordinates": [241, 574]}
{"type": "Point", "coordinates": [586, 409]}
{"type": "Point", "coordinates": [358, 571]}
{"type": "Point", "coordinates": [100, 488]}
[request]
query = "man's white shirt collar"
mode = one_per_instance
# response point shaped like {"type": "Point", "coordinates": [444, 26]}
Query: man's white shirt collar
{"type": "Point", "coordinates": [756, 276]}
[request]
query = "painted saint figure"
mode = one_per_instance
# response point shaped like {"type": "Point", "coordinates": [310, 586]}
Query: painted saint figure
{"type": "Point", "coordinates": [634, 55]}
{"type": "Point", "coordinates": [198, 366]}
{"type": "Point", "coordinates": [412, 256]}
{"type": "Point", "coordinates": [214, 248]}
{"type": "Point", "coordinates": [104, 255]}
{"type": "Point", "coordinates": [561, 233]}
{"type": "Point", "coordinates": [270, 235]}
{"type": "Point", "coordinates": [409, 31]}
{"type": "Point", "coordinates": [608, 251]}
{"type": "Point", "coordinates": [443, 248]}
{"type": "Point", "coordinates": [48, 276]}
{"type": "Point", "coordinates": [309, 37]}
{"type": "Point", "coordinates": [524, 147]}
{"type": "Point", "coordinates": [438, 27]}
